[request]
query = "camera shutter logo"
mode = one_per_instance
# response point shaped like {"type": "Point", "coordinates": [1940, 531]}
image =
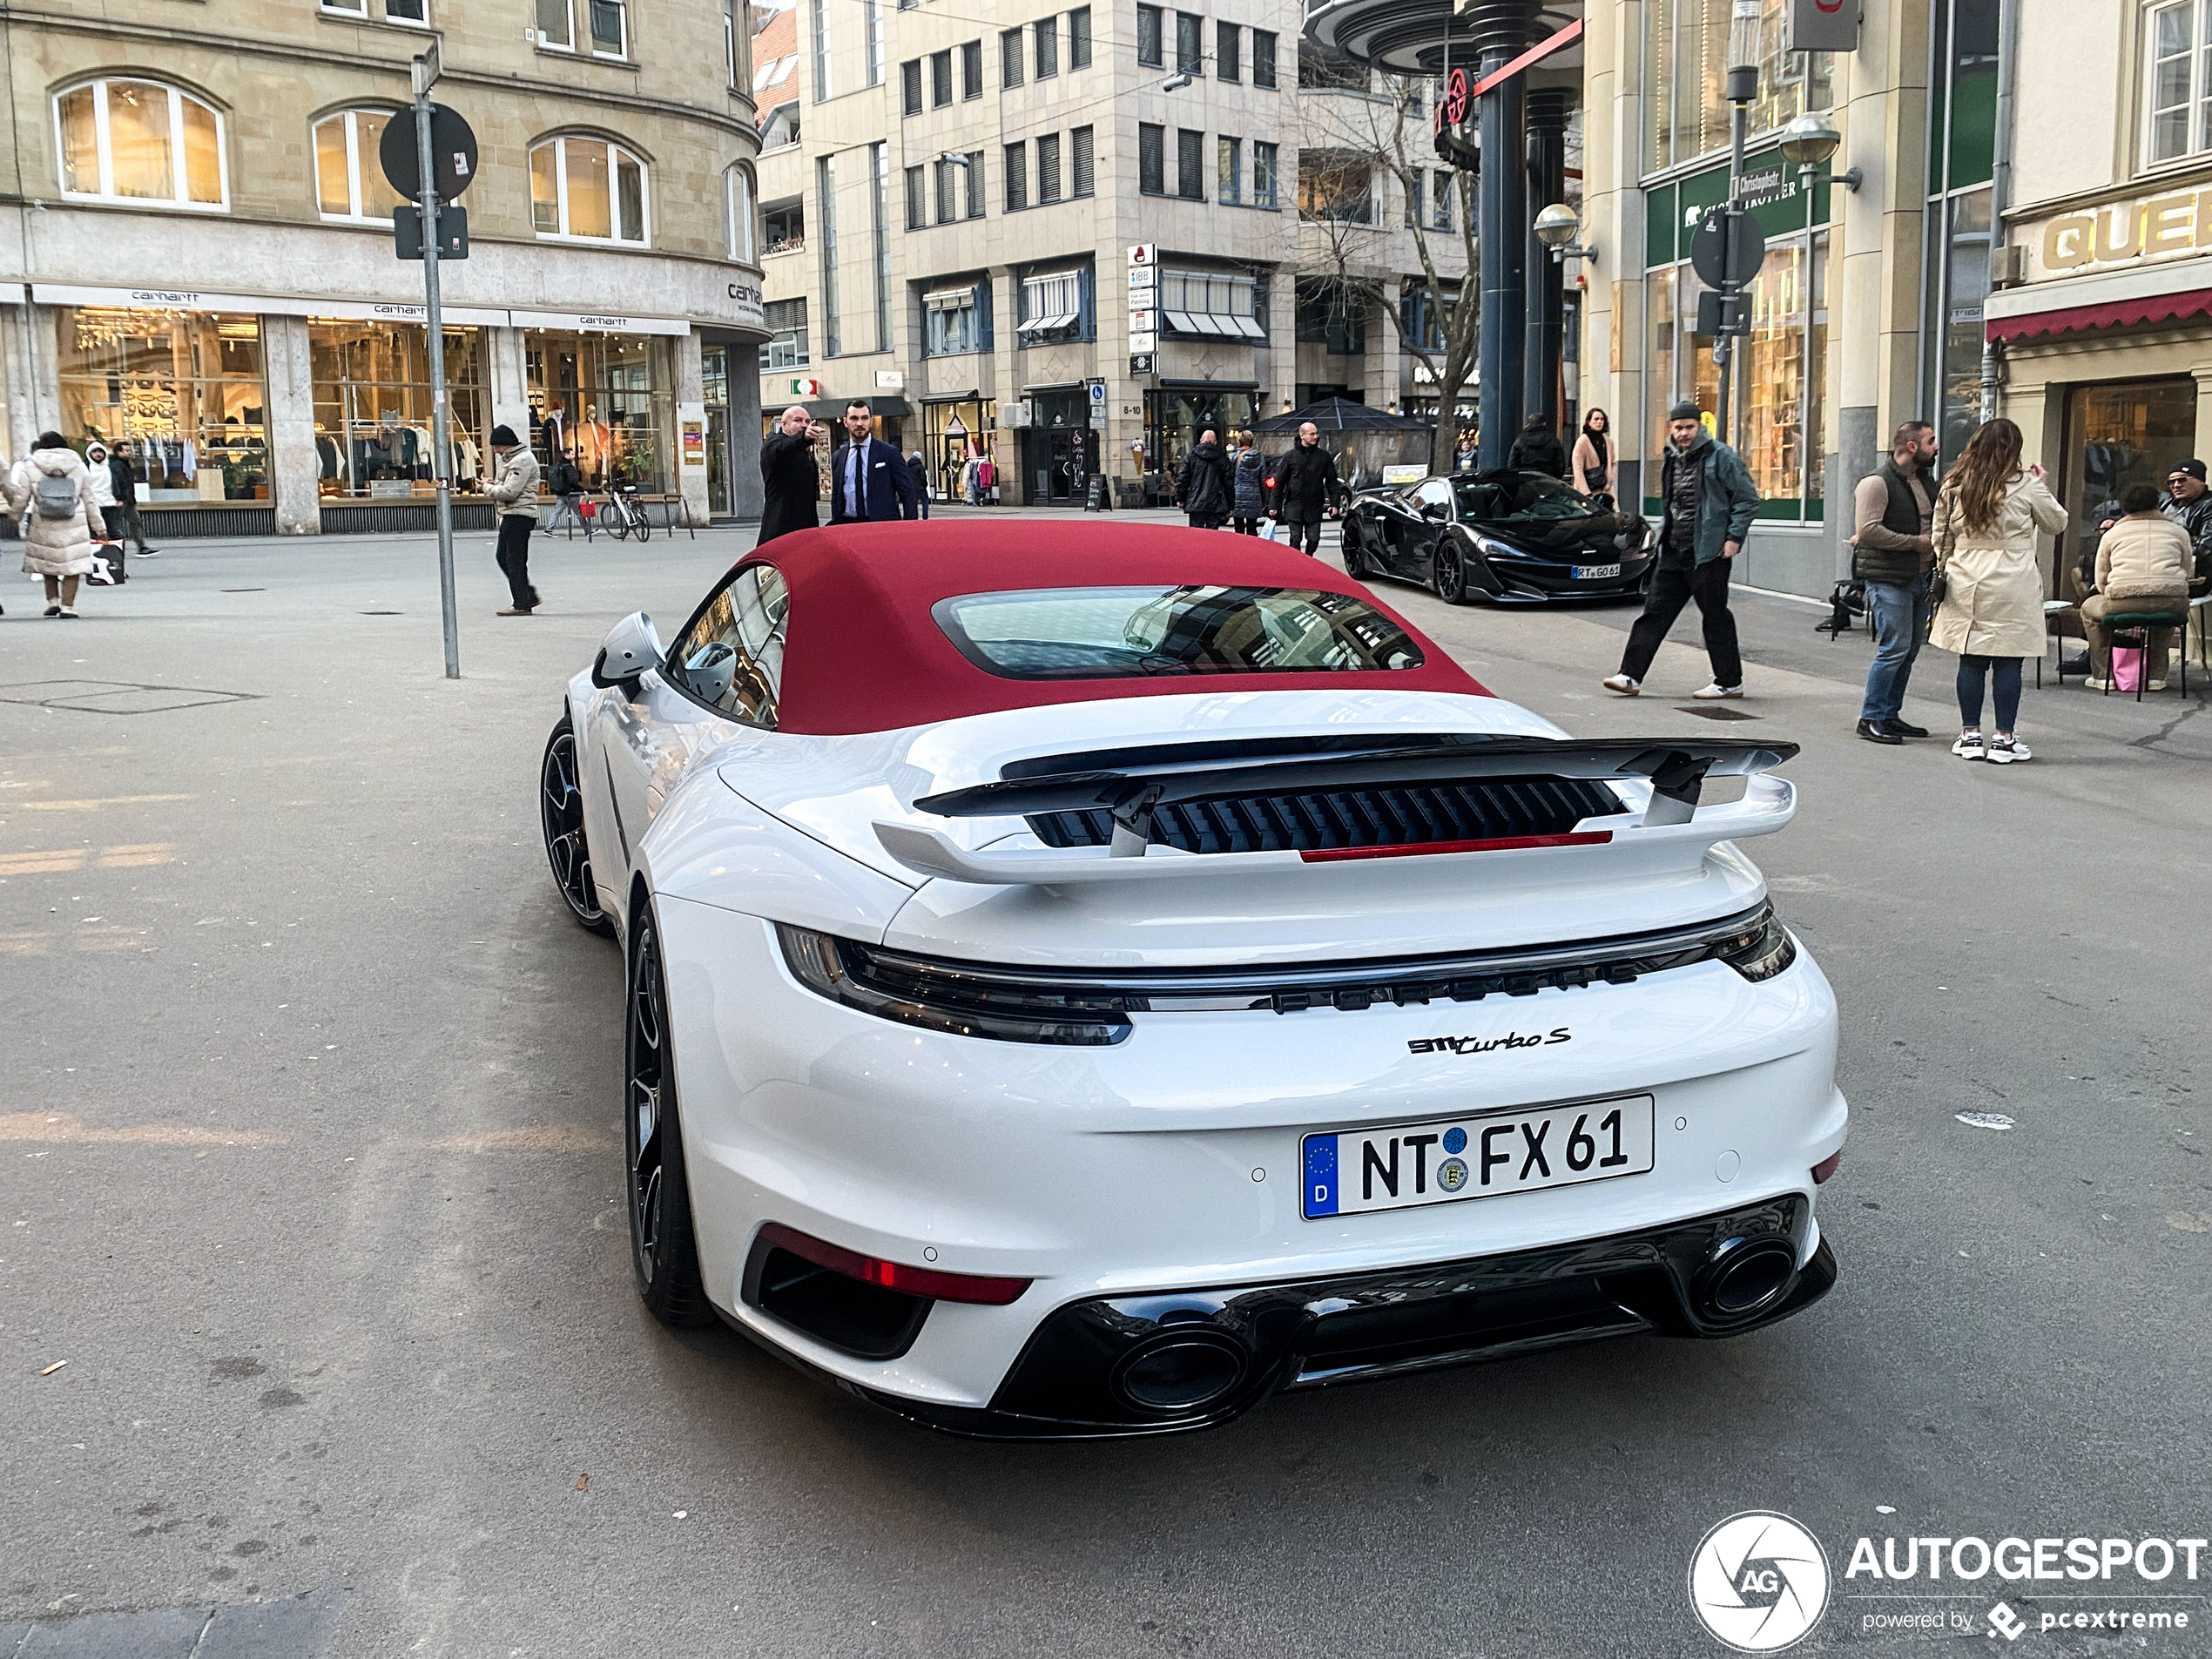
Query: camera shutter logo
{"type": "Point", "coordinates": [1759, 1582]}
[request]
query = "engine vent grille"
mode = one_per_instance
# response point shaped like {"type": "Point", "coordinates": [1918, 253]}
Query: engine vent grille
{"type": "Point", "coordinates": [1398, 815]}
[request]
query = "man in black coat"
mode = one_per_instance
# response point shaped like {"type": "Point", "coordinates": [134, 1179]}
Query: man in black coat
{"type": "Point", "coordinates": [790, 482]}
{"type": "Point", "coordinates": [1203, 486]}
{"type": "Point", "coordinates": [1538, 448]}
{"type": "Point", "coordinates": [1307, 486]}
{"type": "Point", "coordinates": [869, 482]}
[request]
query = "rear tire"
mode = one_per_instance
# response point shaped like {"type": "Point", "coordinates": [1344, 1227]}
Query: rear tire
{"type": "Point", "coordinates": [644, 525]}
{"type": "Point", "coordinates": [1451, 571]}
{"type": "Point", "coordinates": [560, 811]}
{"type": "Point", "coordinates": [664, 1248]}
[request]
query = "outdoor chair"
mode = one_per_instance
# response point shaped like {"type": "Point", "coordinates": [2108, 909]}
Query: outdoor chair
{"type": "Point", "coordinates": [2138, 624]}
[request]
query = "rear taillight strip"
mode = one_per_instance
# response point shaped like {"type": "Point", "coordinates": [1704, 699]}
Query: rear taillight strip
{"type": "Point", "coordinates": [1421, 849]}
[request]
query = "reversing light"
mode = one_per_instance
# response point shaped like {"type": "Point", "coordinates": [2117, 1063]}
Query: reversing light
{"type": "Point", "coordinates": [979, 1288]}
{"type": "Point", "coordinates": [1762, 950]}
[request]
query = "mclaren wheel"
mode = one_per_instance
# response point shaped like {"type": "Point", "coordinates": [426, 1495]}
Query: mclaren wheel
{"type": "Point", "coordinates": [560, 808]}
{"type": "Point", "coordinates": [1357, 564]}
{"type": "Point", "coordinates": [1451, 571]}
{"type": "Point", "coordinates": [663, 1247]}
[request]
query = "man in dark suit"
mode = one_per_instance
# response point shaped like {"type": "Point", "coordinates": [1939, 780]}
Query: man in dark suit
{"type": "Point", "coordinates": [868, 478]}
{"type": "Point", "coordinates": [790, 484]}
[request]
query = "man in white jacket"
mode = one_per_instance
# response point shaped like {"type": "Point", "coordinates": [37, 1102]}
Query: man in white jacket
{"type": "Point", "coordinates": [515, 490]}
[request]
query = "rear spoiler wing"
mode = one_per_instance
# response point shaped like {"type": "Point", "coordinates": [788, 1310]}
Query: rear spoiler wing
{"type": "Point", "coordinates": [1676, 769]}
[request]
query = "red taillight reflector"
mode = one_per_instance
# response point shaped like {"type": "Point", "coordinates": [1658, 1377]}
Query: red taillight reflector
{"type": "Point", "coordinates": [1826, 1167]}
{"type": "Point", "coordinates": [1494, 844]}
{"type": "Point", "coordinates": [895, 1276]}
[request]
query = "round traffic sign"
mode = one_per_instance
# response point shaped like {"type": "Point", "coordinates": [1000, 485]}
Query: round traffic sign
{"type": "Point", "coordinates": [1738, 262]}
{"type": "Point", "coordinates": [453, 153]}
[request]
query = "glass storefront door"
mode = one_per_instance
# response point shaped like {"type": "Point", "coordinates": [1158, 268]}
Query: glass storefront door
{"type": "Point", "coordinates": [714, 379]}
{"type": "Point", "coordinates": [1059, 449]}
{"type": "Point", "coordinates": [1173, 420]}
{"type": "Point", "coordinates": [2124, 433]}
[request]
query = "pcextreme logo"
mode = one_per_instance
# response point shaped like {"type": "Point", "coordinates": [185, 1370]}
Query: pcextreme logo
{"type": "Point", "coordinates": [1759, 1582]}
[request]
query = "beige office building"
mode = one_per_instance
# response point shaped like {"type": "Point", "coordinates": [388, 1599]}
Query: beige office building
{"type": "Point", "coordinates": [204, 258]}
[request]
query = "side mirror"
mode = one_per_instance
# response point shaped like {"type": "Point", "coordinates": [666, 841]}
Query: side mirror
{"type": "Point", "coordinates": [631, 648]}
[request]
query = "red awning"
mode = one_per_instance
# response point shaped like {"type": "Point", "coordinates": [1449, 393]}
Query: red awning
{"type": "Point", "coordinates": [2118, 313]}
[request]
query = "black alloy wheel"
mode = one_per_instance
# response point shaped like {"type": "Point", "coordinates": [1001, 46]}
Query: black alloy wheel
{"type": "Point", "coordinates": [663, 1250]}
{"type": "Point", "coordinates": [1450, 570]}
{"type": "Point", "coordinates": [559, 809]}
{"type": "Point", "coordinates": [1357, 564]}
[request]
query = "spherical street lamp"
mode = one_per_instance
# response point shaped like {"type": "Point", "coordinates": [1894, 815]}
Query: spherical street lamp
{"type": "Point", "coordinates": [1808, 141]}
{"type": "Point", "coordinates": [1555, 227]}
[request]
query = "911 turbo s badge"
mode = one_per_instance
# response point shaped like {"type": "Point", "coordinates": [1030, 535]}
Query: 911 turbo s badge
{"type": "Point", "coordinates": [1483, 1045]}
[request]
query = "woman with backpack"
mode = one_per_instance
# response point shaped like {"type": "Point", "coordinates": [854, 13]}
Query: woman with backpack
{"type": "Point", "coordinates": [1987, 516]}
{"type": "Point", "coordinates": [53, 491]}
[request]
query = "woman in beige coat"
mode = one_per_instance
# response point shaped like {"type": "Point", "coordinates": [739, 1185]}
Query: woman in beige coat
{"type": "Point", "coordinates": [1987, 516]}
{"type": "Point", "coordinates": [57, 546]}
{"type": "Point", "coordinates": [2144, 564]}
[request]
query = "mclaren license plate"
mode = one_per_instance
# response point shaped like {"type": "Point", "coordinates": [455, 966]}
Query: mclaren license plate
{"type": "Point", "coordinates": [1596, 572]}
{"type": "Point", "coordinates": [1476, 1157]}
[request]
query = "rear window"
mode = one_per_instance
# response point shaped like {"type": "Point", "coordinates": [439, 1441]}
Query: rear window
{"type": "Point", "coordinates": [1128, 633]}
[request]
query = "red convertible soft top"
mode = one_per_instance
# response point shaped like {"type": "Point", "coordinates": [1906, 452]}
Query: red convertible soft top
{"type": "Point", "coordinates": [862, 652]}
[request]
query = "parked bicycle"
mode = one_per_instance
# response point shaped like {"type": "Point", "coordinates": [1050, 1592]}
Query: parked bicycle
{"type": "Point", "coordinates": [625, 514]}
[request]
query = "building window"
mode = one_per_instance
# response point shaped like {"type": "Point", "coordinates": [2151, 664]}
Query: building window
{"type": "Point", "coordinates": [783, 227]}
{"type": "Point", "coordinates": [1686, 60]}
{"type": "Point", "coordinates": [1046, 30]}
{"type": "Point", "coordinates": [609, 399]}
{"type": "Point", "coordinates": [587, 187]}
{"type": "Point", "coordinates": [950, 323]}
{"type": "Point", "coordinates": [1079, 38]}
{"type": "Point", "coordinates": [940, 79]}
{"type": "Point", "coordinates": [910, 87]}
{"type": "Point", "coordinates": [349, 180]}
{"type": "Point", "coordinates": [744, 240]}
{"type": "Point", "coordinates": [872, 38]}
{"type": "Point", "coordinates": [606, 25]}
{"type": "Point", "coordinates": [1328, 318]}
{"type": "Point", "coordinates": [1263, 156]}
{"type": "Point", "coordinates": [1189, 45]}
{"type": "Point", "coordinates": [1017, 178]}
{"type": "Point", "coordinates": [880, 224]}
{"type": "Point", "coordinates": [1211, 305]}
{"type": "Point", "coordinates": [1335, 186]}
{"type": "Point", "coordinates": [1053, 307]}
{"type": "Point", "coordinates": [1147, 37]}
{"type": "Point", "coordinates": [917, 203]}
{"type": "Point", "coordinates": [1962, 153]}
{"type": "Point", "coordinates": [948, 182]}
{"type": "Point", "coordinates": [1228, 58]}
{"type": "Point", "coordinates": [140, 142]}
{"type": "Point", "coordinates": [730, 44]}
{"type": "Point", "coordinates": [185, 387]}
{"type": "Point", "coordinates": [826, 197]}
{"type": "Point", "coordinates": [1189, 165]}
{"type": "Point", "coordinates": [1320, 71]}
{"type": "Point", "coordinates": [2176, 83]}
{"type": "Point", "coordinates": [374, 408]}
{"type": "Point", "coordinates": [1151, 166]}
{"type": "Point", "coordinates": [1230, 171]}
{"type": "Point", "coordinates": [1048, 168]}
{"type": "Point", "coordinates": [1009, 58]}
{"type": "Point", "coordinates": [781, 127]}
{"type": "Point", "coordinates": [1440, 202]}
{"type": "Point", "coordinates": [1086, 172]}
{"type": "Point", "coordinates": [971, 70]}
{"type": "Point", "coordinates": [974, 171]}
{"type": "Point", "coordinates": [821, 48]}
{"type": "Point", "coordinates": [787, 323]}
{"type": "Point", "coordinates": [555, 28]}
{"type": "Point", "coordinates": [1263, 58]}
{"type": "Point", "coordinates": [1420, 318]}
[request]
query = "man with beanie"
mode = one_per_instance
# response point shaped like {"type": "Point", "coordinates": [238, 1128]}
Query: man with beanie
{"type": "Point", "coordinates": [514, 492]}
{"type": "Point", "coordinates": [1708, 501]}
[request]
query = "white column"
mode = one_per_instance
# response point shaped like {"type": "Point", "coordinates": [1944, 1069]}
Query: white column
{"type": "Point", "coordinates": [34, 381]}
{"type": "Point", "coordinates": [295, 467]}
{"type": "Point", "coordinates": [688, 469]}
{"type": "Point", "coordinates": [510, 398]}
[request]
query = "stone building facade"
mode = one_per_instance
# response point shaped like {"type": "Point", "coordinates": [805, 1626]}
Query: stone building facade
{"type": "Point", "coordinates": [205, 263]}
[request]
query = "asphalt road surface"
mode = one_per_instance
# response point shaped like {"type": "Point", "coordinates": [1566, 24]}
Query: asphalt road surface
{"type": "Point", "coordinates": [311, 1177]}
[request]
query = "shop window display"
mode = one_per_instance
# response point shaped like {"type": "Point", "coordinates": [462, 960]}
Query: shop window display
{"type": "Point", "coordinates": [606, 398]}
{"type": "Point", "coordinates": [373, 412]}
{"type": "Point", "coordinates": [185, 388]}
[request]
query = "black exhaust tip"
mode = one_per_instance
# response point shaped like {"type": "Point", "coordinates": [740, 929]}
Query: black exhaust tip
{"type": "Point", "coordinates": [1180, 1371]}
{"type": "Point", "coordinates": [1745, 1275]}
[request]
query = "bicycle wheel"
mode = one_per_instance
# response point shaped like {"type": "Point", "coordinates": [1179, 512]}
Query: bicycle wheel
{"type": "Point", "coordinates": [618, 519]}
{"type": "Point", "coordinates": [645, 521]}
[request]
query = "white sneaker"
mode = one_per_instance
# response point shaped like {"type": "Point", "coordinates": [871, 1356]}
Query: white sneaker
{"type": "Point", "coordinates": [1969, 746]}
{"type": "Point", "coordinates": [2005, 751]}
{"type": "Point", "coordinates": [1716, 690]}
{"type": "Point", "coordinates": [1622, 683]}
{"type": "Point", "coordinates": [2098, 685]}
{"type": "Point", "coordinates": [2156, 685]}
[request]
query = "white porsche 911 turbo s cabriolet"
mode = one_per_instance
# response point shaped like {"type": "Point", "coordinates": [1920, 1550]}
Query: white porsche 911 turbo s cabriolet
{"type": "Point", "coordinates": [1083, 980]}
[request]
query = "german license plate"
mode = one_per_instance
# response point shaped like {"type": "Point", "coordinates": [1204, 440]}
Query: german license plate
{"type": "Point", "coordinates": [1412, 1165]}
{"type": "Point", "coordinates": [1596, 572]}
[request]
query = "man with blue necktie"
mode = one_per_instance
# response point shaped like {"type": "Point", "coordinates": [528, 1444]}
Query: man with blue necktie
{"type": "Point", "coordinates": [868, 478]}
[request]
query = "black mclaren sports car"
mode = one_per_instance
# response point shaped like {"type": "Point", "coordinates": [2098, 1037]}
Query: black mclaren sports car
{"type": "Point", "coordinates": [1498, 538]}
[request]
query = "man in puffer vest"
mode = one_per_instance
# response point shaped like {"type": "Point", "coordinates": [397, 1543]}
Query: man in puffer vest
{"type": "Point", "coordinates": [1894, 507]}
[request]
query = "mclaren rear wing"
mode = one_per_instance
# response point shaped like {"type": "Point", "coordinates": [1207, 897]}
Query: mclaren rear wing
{"type": "Point", "coordinates": [1132, 792]}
